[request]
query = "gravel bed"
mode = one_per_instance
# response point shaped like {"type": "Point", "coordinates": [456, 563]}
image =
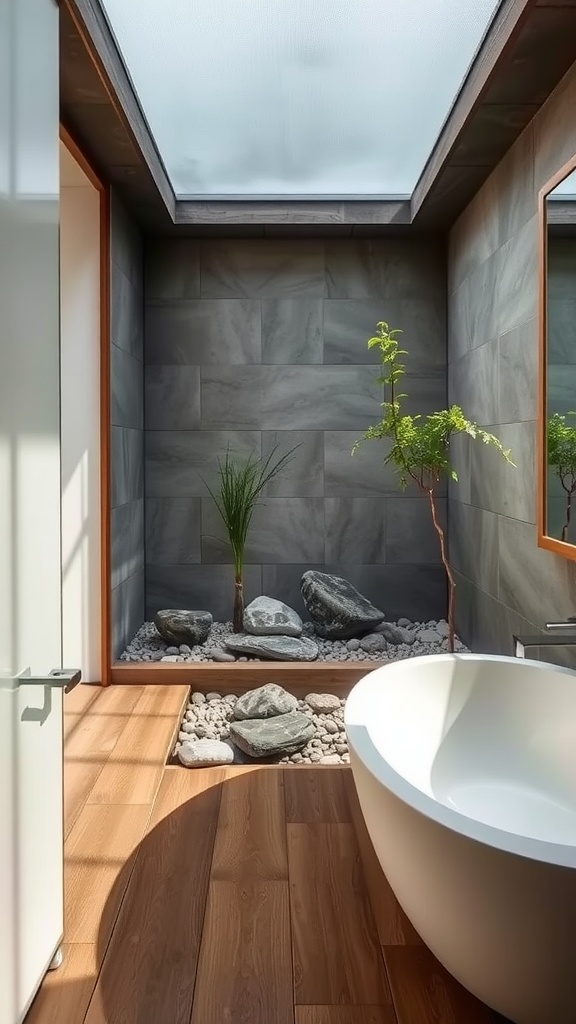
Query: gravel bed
{"type": "Point", "coordinates": [209, 715]}
{"type": "Point", "coordinates": [424, 638]}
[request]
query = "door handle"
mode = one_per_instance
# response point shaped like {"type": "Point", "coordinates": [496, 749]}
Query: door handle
{"type": "Point", "coordinates": [66, 678]}
{"type": "Point", "coordinates": [59, 678]}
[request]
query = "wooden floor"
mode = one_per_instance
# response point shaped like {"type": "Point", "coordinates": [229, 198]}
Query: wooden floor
{"type": "Point", "coordinates": [224, 896]}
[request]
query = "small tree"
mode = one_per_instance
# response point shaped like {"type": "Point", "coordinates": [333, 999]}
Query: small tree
{"type": "Point", "coordinates": [420, 448]}
{"type": "Point", "coordinates": [241, 484]}
{"type": "Point", "coordinates": [561, 444]}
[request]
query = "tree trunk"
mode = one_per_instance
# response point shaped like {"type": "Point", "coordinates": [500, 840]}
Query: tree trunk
{"type": "Point", "coordinates": [449, 576]}
{"type": "Point", "coordinates": [566, 526]}
{"type": "Point", "coordinates": [238, 616]}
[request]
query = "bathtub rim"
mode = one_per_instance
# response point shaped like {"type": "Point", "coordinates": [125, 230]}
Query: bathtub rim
{"type": "Point", "coordinates": [363, 747]}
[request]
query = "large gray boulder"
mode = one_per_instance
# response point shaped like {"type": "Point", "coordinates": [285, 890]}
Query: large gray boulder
{"type": "Point", "coordinates": [274, 648]}
{"type": "Point", "coordinates": [283, 734]}
{"type": "Point", "coordinates": [336, 608]}
{"type": "Point", "coordinates": [178, 626]}
{"type": "Point", "coordinates": [265, 616]}
{"type": "Point", "coordinates": [265, 702]}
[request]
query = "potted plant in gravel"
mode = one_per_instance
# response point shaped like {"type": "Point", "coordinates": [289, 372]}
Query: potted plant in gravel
{"type": "Point", "coordinates": [420, 445]}
{"type": "Point", "coordinates": [241, 484]}
{"type": "Point", "coordinates": [561, 446]}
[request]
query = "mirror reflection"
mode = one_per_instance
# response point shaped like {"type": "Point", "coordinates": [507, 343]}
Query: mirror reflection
{"type": "Point", "coordinates": [560, 448]}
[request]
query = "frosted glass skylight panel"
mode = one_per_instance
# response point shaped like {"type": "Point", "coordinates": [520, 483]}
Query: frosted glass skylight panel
{"type": "Point", "coordinates": [295, 98]}
{"type": "Point", "coordinates": [566, 189]}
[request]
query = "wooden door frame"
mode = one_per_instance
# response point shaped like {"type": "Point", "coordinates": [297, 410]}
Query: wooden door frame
{"type": "Point", "coordinates": [544, 539]}
{"type": "Point", "coordinates": [103, 191]}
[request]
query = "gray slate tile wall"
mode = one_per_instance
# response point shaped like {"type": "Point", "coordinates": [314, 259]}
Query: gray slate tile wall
{"type": "Point", "coordinates": [127, 427]}
{"type": "Point", "coordinates": [505, 582]}
{"type": "Point", "coordinates": [261, 343]}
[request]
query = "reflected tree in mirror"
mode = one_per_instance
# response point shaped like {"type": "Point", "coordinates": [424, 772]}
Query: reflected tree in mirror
{"type": "Point", "coordinates": [559, 449]}
{"type": "Point", "coordinates": [420, 445]}
{"type": "Point", "coordinates": [561, 454]}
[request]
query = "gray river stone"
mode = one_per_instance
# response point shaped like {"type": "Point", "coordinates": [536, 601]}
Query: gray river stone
{"type": "Point", "coordinates": [198, 753]}
{"type": "Point", "coordinates": [336, 608]}
{"type": "Point", "coordinates": [178, 626]}
{"type": "Point", "coordinates": [265, 616]}
{"type": "Point", "coordinates": [274, 648]}
{"type": "Point", "coordinates": [264, 737]}
{"type": "Point", "coordinates": [265, 702]}
{"type": "Point", "coordinates": [219, 655]}
{"type": "Point", "coordinates": [429, 636]}
{"type": "Point", "coordinates": [395, 634]}
{"type": "Point", "coordinates": [373, 643]}
{"type": "Point", "coordinates": [323, 703]}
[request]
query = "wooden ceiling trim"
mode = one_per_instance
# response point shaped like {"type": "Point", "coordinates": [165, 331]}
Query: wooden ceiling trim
{"type": "Point", "coordinates": [526, 51]}
{"type": "Point", "coordinates": [500, 37]}
{"type": "Point", "coordinates": [99, 41]}
{"type": "Point", "coordinates": [279, 212]}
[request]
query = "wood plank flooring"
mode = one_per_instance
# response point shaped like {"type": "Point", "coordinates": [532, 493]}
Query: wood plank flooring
{"type": "Point", "coordinates": [251, 837]}
{"type": "Point", "coordinates": [249, 980]}
{"type": "Point", "coordinates": [337, 957]}
{"type": "Point", "coordinates": [149, 968]}
{"type": "Point", "coordinates": [102, 837]}
{"type": "Point", "coordinates": [242, 895]}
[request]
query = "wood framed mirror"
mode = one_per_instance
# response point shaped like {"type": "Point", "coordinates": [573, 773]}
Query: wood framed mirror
{"type": "Point", "coordinates": [557, 374]}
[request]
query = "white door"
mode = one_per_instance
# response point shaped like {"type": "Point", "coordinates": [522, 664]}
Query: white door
{"type": "Point", "coordinates": [31, 906]}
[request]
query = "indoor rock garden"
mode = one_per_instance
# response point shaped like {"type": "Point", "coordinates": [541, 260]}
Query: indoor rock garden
{"type": "Point", "coordinates": [268, 724]}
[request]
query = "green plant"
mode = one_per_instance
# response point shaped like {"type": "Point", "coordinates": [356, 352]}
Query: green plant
{"type": "Point", "coordinates": [561, 445]}
{"type": "Point", "coordinates": [241, 484]}
{"type": "Point", "coordinates": [420, 445]}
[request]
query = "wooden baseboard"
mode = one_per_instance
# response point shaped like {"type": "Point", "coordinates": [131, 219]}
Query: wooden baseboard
{"type": "Point", "coordinates": [298, 678]}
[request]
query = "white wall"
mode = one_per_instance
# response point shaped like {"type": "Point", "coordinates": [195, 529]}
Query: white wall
{"type": "Point", "coordinates": [29, 442]}
{"type": "Point", "coordinates": [80, 341]}
{"type": "Point", "coordinates": [31, 904]}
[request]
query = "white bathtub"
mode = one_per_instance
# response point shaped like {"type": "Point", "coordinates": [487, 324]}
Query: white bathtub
{"type": "Point", "coordinates": [465, 767]}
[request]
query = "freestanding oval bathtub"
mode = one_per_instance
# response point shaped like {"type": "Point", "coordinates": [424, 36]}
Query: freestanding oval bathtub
{"type": "Point", "coordinates": [465, 767]}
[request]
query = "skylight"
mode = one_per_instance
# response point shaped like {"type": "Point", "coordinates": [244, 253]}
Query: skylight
{"type": "Point", "coordinates": [297, 98]}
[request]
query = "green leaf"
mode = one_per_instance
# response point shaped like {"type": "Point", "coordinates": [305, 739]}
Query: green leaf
{"type": "Point", "coordinates": [241, 484]}
{"type": "Point", "coordinates": [419, 446]}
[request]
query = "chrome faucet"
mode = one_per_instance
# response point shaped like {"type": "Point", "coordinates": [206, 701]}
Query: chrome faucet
{"type": "Point", "coordinates": [553, 639]}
